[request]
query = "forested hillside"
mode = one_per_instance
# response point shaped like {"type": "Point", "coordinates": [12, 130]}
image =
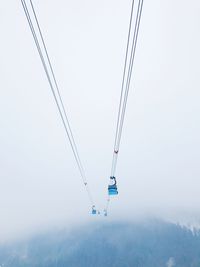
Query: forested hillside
{"type": "Point", "coordinates": [152, 244]}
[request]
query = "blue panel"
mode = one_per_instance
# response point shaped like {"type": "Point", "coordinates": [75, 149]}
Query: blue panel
{"type": "Point", "coordinates": [112, 187]}
{"type": "Point", "coordinates": [112, 192]}
{"type": "Point", "coordinates": [94, 212]}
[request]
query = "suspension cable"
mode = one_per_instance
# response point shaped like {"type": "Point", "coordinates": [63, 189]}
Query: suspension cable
{"type": "Point", "coordinates": [132, 57]}
{"type": "Point", "coordinates": [123, 79]}
{"type": "Point", "coordinates": [58, 100]}
{"type": "Point", "coordinates": [125, 91]}
{"type": "Point", "coordinates": [55, 81]}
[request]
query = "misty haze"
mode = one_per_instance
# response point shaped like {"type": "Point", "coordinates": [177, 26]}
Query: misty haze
{"type": "Point", "coordinates": [99, 133]}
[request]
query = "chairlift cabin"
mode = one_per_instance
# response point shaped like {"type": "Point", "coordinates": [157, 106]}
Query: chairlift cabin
{"type": "Point", "coordinates": [105, 213]}
{"type": "Point", "coordinates": [94, 211]}
{"type": "Point", "coordinates": [112, 188]}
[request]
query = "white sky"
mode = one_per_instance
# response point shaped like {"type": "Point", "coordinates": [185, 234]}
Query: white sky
{"type": "Point", "coordinates": [158, 169]}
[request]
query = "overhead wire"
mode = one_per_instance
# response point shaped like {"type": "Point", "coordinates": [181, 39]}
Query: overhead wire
{"type": "Point", "coordinates": [125, 91]}
{"type": "Point", "coordinates": [59, 95]}
{"type": "Point", "coordinates": [55, 81]}
{"type": "Point", "coordinates": [58, 100]}
{"type": "Point", "coordinates": [132, 57]}
{"type": "Point", "coordinates": [122, 86]}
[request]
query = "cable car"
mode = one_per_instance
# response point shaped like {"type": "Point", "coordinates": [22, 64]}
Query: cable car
{"type": "Point", "coordinates": [112, 188]}
{"type": "Point", "coordinates": [94, 211]}
{"type": "Point", "coordinates": [105, 213]}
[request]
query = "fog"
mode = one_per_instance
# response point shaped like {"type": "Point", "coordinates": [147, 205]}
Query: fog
{"type": "Point", "coordinates": [158, 169]}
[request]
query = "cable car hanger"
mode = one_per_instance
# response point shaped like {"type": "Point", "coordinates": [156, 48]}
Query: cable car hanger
{"type": "Point", "coordinates": [127, 73]}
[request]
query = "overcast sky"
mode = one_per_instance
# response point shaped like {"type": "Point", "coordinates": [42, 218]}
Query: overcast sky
{"type": "Point", "coordinates": [158, 169]}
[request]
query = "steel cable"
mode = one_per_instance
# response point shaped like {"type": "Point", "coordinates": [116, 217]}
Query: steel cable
{"type": "Point", "coordinates": [60, 106]}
